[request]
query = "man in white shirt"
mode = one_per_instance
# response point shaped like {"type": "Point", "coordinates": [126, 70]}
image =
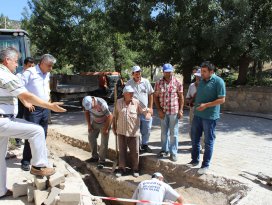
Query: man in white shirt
{"type": "Point", "coordinates": [36, 80]}
{"type": "Point", "coordinates": [10, 90]}
{"type": "Point", "coordinates": [190, 98]}
{"type": "Point", "coordinates": [155, 190]}
{"type": "Point", "coordinates": [28, 63]}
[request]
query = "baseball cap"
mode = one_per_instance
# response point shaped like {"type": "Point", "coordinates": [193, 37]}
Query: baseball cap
{"type": "Point", "coordinates": [156, 175]}
{"type": "Point", "coordinates": [128, 89]}
{"type": "Point", "coordinates": [87, 102]}
{"type": "Point", "coordinates": [136, 68]}
{"type": "Point", "coordinates": [167, 67]}
{"type": "Point", "coordinates": [198, 73]}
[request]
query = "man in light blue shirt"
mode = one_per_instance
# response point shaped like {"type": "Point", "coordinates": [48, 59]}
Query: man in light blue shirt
{"type": "Point", "coordinates": [211, 92]}
{"type": "Point", "coordinates": [36, 80]}
{"type": "Point", "coordinates": [143, 92]}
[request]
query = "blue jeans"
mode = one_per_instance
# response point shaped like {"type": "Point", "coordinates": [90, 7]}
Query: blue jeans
{"type": "Point", "coordinates": [207, 126]}
{"type": "Point", "coordinates": [145, 128]}
{"type": "Point", "coordinates": [40, 117]}
{"type": "Point", "coordinates": [169, 125]}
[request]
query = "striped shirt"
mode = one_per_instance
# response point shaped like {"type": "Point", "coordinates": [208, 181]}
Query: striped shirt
{"type": "Point", "coordinates": [10, 88]}
{"type": "Point", "coordinates": [37, 82]}
{"type": "Point", "coordinates": [100, 111]}
{"type": "Point", "coordinates": [128, 121]}
{"type": "Point", "coordinates": [168, 94]}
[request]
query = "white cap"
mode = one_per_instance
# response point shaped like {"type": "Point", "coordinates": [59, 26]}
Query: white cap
{"type": "Point", "coordinates": [136, 68]}
{"type": "Point", "coordinates": [198, 73]}
{"type": "Point", "coordinates": [128, 89]}
{"type": "Point", "coordinates": [157, 175]}
{"type": "Point", "coordinates": [87, 102]}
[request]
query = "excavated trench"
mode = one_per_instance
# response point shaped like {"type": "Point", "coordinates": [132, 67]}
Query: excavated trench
{"type": "Point", "coordinates": [199, 190]}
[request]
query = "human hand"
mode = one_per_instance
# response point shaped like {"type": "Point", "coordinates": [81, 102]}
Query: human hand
{"type": "Point", "coordinates": [161, 114]}
{"type": "Point", "coordinates": [201, 107]}
{"type": "Point", "coordinates": [56, 108]}
{"type": "Point", "coordinates": [180, 114]}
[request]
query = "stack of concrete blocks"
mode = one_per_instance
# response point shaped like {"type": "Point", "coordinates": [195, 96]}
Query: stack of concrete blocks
{"type": "Point", "coordinates": [59, 189]}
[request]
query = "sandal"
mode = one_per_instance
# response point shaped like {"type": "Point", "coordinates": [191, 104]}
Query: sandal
{"type": "Point", "coordinates": [8, 193]}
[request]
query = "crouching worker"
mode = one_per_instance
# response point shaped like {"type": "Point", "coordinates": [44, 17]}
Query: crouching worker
{"type": "Point", "coordinates": [126, 126]}
{"type": "Point", "coordinates": [10, 90]}
{"type": "Point", "coordinates": [99, 119]}
{"type": "Point", "coordinates": [156, 191]}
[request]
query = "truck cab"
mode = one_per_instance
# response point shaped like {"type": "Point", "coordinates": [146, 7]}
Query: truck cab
{"type": "Point", "coordinates": [18, 39]}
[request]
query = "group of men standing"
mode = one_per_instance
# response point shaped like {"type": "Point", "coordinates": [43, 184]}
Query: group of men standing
{"type": "Point", "coordinates": [12, 88]}
{"type": "Point", "coordinates": [132, 119]}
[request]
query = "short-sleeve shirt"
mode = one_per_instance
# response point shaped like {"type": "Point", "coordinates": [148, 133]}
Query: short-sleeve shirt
{"type": "Point", "coordinates": [128, 121]}
{"type": "Point", "coordinates": [168, 94]}
{"type": "Point", "coordinates": [208, 91]}
{"type": "Point", "coordinates": [141, 90]}
{"type": "Point", "coordinates": [191, 91]}
{"type": "Point", "coordinates": [37, 82]}
{"type": "Point", "coordinates": [154, 190]}
{"type": "Point", "coordinates": [10, 88]}
{"type": "Point", "coordinates": [101, 111]}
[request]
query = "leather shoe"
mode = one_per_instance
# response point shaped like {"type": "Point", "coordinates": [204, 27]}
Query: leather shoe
{"type": "Point", "coordinates": [25, 167]}
{"type": "Point", "coordinates": [8, 193]}
{"type": "Point", "coordinates": [43, 171]}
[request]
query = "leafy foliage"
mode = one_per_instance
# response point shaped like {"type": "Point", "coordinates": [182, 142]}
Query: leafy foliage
{"type": "Point", "coordinates": [115, 34]}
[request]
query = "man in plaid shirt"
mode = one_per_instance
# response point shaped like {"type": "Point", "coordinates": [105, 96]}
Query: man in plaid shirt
{"type": "Point", "coordinates": [169, 102]}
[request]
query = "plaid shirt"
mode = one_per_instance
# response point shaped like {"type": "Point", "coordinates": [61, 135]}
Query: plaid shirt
{"type": "Point", "coordinates": [168, 94]}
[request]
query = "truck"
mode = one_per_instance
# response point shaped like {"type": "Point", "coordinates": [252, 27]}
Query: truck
{"type": "Point", "coordinates": [77, 86]}
{"type": "Point", "coordinates": [63, 87]}
{"type": "Point", "coordinates": [18, 39]}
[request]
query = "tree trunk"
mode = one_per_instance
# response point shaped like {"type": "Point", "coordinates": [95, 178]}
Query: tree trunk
{"type": "Point", "coordinates": [151, 73]}
{"type": "Point", "coordinates": [186, 72]}
{"type": "Point", "coordinates": [243, 69]}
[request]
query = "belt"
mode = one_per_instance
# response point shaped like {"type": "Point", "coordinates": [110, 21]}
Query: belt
{"type": "Point", "coordinates": [6, 115]}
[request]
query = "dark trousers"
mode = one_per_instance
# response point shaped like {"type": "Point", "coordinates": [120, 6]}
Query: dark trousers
{"type": "Point", "coordinates": [40, 117]}
{"type": "Point", "coordinates": [133, 144]}
{"type": "Point", "coordinates": [20, 115]}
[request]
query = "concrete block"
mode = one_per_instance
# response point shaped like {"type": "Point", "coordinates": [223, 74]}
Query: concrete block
{"type": "Point", "coordinates": [68, 203]}
{"type": "Point", "coordinates": [40, 182]}
{"type": "Point", "coordinates": [71, 192]}
{"type": "Point", "coordinates": [62, 186]}
{"type": "Point", "coordinates": [30, 193]}
{"type": "Point", "coordinates": [56, 179]}
{"type": "Point", "coordinates": [20, 189]}
{"type": "Point", "coordinates": [52, 198]}
{"type": "Point", "coordinates": [69, 196]}
{"type": "Point", "coordinates": [86, 200]}
{"type": "Point", "coordinates": [40, 196]}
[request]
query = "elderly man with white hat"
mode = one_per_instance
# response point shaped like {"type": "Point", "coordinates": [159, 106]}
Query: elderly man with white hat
{"type": "Point", "coordinates": [155, 190]}
{"type": "Point", "coordinates": [99, 120]}
{"type": "Point", "coordinates": [126, 126]}
{"type": "Point", "coordinates": [143, 91]}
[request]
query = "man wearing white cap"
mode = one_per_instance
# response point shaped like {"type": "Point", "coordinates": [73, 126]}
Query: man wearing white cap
{"type": "Point", "coordinates": [126, 126]}
{"type": "Point", "coordinates": [190, 98]}
{"type": "Point", "coordinates": [99, 119]}
{"type": "Point", "coordinates": [143, 91]}
{"type": "Point", "coordinates": [155, 190]}
{"type": "Point", "coordinates": [169, 102]}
